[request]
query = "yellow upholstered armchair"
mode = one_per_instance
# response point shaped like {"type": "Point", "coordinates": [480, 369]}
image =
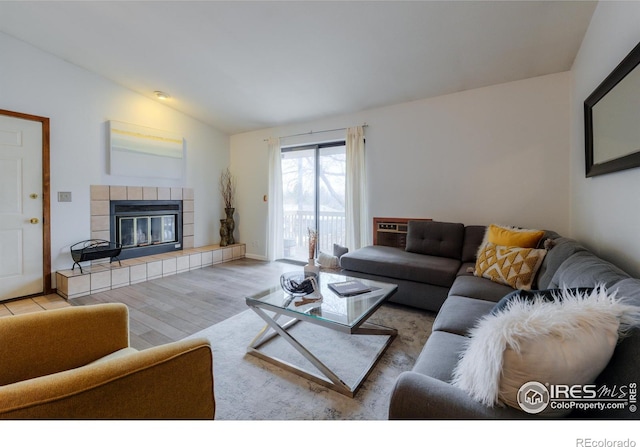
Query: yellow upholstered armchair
{"type": "Point", "coordinates": [76, 363]}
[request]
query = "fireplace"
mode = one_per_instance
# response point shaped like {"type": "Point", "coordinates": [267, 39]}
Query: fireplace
{"type": "Point", "coordinates": [146, 227]}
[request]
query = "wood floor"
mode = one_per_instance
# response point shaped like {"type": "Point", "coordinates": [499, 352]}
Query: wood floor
{"type": "Point", "coordinates": [170, 308]}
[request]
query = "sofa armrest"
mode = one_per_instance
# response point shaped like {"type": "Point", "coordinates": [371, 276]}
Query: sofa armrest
{"type": "Point", "coordinates": [416, 396]}
{"type": "Point", "coordinates": [172, 381]}
{"type": "Point", "coordinates": [40, 343]}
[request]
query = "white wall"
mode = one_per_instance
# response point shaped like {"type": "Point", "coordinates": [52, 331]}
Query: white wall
{"type": "Point", "coordinates": [605, 209]}
{"type": "Point", "coordinates": [79, 104]}
{"type": "Point", "coordinates": [495, 154]}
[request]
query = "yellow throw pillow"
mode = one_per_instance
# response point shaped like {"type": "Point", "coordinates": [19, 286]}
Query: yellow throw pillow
{"type": "Point", "coordinates": [512, 266]}
{"type": "Point", "coordinates": [514, 237]}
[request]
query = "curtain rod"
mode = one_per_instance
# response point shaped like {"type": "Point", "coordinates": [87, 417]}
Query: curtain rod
{"type": "Point", "coordinates": [311, 132]}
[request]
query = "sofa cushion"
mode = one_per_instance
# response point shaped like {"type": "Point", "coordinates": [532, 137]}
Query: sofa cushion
{"type": "Point", "coordinates": [513, 266]}
{"type": "Point", "coordinates": [559, 250]}
{"type": "Point", "coordinates": [473, 237]}
{"type": "Point", "coordinates": [392, 262]}
{"type": "Point", "coordinates": [565, 341]}
{"type": "Point", "coordinates": [584, 269]}
{"type": "Point", "coordinates": [466, 269]}
{"type": "Point", "coordinates": [459, 314]}
{"type": "Point", "coordinates": [443, 239]}
{"type": "Point", "coordinates": [480, 288]}
{"type": "Point", "coordinates": [440, 355]}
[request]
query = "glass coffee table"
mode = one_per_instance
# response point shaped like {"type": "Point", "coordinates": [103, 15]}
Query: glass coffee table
{"type": "Point", "coordinates": [345, 314]}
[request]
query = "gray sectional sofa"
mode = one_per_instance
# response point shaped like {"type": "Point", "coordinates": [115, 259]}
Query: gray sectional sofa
{"type": "Point", "coordinates": [433, 274]}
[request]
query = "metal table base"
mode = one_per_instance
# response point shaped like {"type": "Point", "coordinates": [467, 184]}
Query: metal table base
{"type": "Point", "coordinates": [328, 377]}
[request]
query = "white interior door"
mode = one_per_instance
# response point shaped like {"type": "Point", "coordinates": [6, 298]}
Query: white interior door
{"type": "Point", "coordinates": [21, 240]}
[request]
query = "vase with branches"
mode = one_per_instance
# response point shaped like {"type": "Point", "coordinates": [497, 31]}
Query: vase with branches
{"type": "Point", "coordinates": [227, 186]}
{"type": "Point", "coordinates": [312, 269]}
{"type": "Point", "coordinates": [313, 241]}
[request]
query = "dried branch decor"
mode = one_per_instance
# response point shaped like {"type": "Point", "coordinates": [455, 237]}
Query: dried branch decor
{"type": "Point", "coordinates": [227, 187]}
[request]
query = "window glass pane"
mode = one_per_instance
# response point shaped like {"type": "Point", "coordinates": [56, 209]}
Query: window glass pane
{"type": "Point", "coordinates": [299, 199]}
{"type": "Point", "coordinates": [127, 232]}
{"type": "Point", "coordinates": [156, 230]}
{"type": "Point", "coordinates": [142, 231]}
{"type": "Point", "coordinates": [331, 196]}
{"type": "Point", "coordinates": [169, 229]}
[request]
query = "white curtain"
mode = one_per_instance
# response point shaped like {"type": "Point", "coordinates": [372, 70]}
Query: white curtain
{"type": "Point", "coordinates": [357, 215]}
{"type": "Point", "coordinates": [275, 220]}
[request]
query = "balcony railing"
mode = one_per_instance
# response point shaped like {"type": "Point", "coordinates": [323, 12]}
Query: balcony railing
{"type": "Point", "coordinates": [331, 230]}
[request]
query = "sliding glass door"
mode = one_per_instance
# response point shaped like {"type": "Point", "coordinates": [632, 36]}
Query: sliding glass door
{"type": "Point", "coordinates": [313, 184]}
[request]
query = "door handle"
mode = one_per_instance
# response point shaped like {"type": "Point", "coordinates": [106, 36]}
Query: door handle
{"type": "Point", "coordinates": [34, 220]}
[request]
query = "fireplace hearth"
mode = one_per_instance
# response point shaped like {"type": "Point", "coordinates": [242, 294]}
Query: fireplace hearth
{"type": "Point", "coordinates": [146, 227]}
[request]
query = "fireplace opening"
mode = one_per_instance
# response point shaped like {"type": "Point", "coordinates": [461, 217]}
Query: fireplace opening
{"type": "Point", "coordinates": [146, 227]}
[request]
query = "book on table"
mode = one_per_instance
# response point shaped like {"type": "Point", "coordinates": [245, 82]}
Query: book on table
{"type": "Point", "coordinates": [349, 288]}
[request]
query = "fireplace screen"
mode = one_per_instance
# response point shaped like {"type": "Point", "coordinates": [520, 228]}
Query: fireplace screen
{"type": "Point", "coordinates": [147, 230]}
{"type": "Point", "coordinates": [146, 227]}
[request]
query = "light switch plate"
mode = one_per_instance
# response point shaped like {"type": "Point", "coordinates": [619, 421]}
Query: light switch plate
{"type": "Point", "coordinates": [64, 196]}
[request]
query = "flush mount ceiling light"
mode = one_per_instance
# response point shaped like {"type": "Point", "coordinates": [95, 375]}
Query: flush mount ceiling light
{"type": "Point", "coordinates": [161, 95]}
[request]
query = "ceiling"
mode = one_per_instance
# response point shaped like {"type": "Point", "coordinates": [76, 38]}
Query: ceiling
{"type": "Point", "coordinates": [244, 65]}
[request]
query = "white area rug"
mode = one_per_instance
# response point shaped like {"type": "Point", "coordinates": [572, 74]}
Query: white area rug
{"type": "Point", "coordinates": [248, 388]}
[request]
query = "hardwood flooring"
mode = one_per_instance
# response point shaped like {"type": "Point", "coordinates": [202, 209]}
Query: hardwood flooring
{"type": "Point", "coordinates": [171, 308]}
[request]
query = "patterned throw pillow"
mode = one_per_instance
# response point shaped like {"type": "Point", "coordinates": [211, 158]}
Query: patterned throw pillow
{"type": "Point", "coordinates": [512, 266]}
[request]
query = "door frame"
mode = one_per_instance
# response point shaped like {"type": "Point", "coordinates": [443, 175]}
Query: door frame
{"type": "Point", "coordinates": [46, 200]}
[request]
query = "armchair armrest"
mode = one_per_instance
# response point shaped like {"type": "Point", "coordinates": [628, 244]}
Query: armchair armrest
{"type": "Point", "coordinates": [172, 381]}
{"type": "Point", "coordinates": [416, 396]}
{"type": "Point", "coordinates": [40, 343]}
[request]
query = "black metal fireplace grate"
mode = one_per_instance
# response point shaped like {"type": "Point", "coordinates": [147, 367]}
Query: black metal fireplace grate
{"type": "Point", "coordinates": [93, 249]}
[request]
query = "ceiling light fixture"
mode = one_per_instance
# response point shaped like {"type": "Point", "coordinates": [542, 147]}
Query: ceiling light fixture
{"type": "Point", "coordinates": [161, 95]}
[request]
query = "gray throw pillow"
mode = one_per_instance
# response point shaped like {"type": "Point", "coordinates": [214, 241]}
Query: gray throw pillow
{"type": "Point", "coordinates": [339, 250]}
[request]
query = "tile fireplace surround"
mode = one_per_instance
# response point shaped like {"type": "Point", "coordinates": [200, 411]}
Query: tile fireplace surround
{"type": "Point", "coordinates": [102, 275]}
